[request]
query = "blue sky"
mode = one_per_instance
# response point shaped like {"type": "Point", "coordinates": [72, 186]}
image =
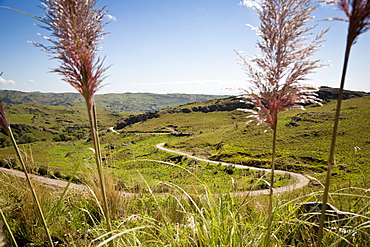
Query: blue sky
{"type": "Point", "coordinates": [168, 46]}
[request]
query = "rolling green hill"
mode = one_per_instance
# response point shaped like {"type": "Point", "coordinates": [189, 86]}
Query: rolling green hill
{"type": "Point", "coordinates": [212, 129]}
{"type": "Point", "coordinates": [326, 94]}
{"type": "Point", "coordinates": [31, 123]}
{"type": "Point", "coordinates": [303, 138]}
{"type": "Point", "coordinates": [124, 102]}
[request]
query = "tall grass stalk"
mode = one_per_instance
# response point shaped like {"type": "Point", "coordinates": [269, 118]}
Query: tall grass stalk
{"type": "Point", "coordinates": [28, 179]}
{"type": "Point", "coordinates": [8, 229]}
{"type": "Point", "coordinates": [98, 160]}
{"type": "Point", "coordinates": [77, 27]}
{"type": "Point", "coordinates": [286, 46]}
{"type": "Point", "coordinates": [4, 123]}
{"type": "Point", "coordinates": [270, 209]}
{"type": "Point", "coordinates": [110, 239]}
{"type": "Point", "coordinates": [358, 13]}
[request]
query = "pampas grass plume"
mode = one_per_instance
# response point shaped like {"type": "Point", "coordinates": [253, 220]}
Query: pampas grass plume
{"type": "Point", "coordinates": [76, 30]}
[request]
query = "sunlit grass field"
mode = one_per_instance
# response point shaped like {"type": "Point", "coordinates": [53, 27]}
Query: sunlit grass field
{"type": "Point", "coordinates": [58, 142]}
{"type": "Point", "coordinates": [303, 141]}
{"type": "Point", "coordinates": [303, 138]}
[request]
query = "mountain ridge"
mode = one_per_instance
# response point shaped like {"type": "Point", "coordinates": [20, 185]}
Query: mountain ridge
{"type": "Point", "coordinates": [116, 102]}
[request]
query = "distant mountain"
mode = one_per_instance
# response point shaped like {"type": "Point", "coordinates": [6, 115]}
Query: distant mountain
{"type": "Point", "coordinates": [123, 102]}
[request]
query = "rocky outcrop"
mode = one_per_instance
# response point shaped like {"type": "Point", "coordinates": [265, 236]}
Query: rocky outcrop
{"type": "Point", "coordinates": [328, 94]}
{"type": "Point", "coordinates": [136, 119]}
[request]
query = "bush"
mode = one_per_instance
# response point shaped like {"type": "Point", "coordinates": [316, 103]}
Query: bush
{"type": "Point", "coordinates": [58, 173]}
{"type": "Point", "coordinates": [62, 138]}
{"type": "Point", "coordinates": [43, 170]}
{"type": "Point", "coordinates": [4, 142]}
{"type": "Point", "coordinates": [28, 138]}
{"type": "Point", "coordinates": [229, 170]}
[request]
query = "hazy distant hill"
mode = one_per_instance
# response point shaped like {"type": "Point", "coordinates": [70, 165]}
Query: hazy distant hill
{"type": "Point", "coordinates": [123, 102]}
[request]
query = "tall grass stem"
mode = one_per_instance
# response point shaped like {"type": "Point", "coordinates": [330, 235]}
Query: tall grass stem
{"type": "Point", "coordinates": [30, 185]}
{"type": "Point", "coordinates": [8, 228]}
{"type": "Point", "coordinates": [270, 211]}
{"type": "Point", "coordinates": [333, 143]}
{"type": "Point", "coordinates": [24, 13]}
{"type": "Point", "coordinates": [98, 159]}
{"type": "Point", "coordinates": [76, 28]}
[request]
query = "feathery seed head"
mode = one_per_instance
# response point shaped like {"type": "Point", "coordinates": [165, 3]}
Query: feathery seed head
{"type": "Point", "coordinates": [76, 28]}
{"type": "Point", "coordinates": [3, 120]}
{"type": "Point", "coordinates": [358, 16]}
{"type": "Point", "coordinates": [286, 46]}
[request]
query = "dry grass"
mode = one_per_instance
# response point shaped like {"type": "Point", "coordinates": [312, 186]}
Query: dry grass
{"type": "Point", "coordinates": [114, 198]}
{"type": "Point", "coordinates": [18, 203]}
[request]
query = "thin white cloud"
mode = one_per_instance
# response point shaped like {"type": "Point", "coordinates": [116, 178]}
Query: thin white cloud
{"type": "Point", "coordinates": [166, 83]}
{"type": "Point", "coordinates": [111, 17]}
{"type": "Point", "coordinates": [32, 81]}
{"type": "Point", "coordinates": [191, 82]}
{"type": "Point", "coordinates": [220, 87]}
{"type": "Point", "coordinates": [228, 86]}
{"type": "Point", "coordinates": [254, 4]}
{"type": "Point", "coordinates": [6, 82]}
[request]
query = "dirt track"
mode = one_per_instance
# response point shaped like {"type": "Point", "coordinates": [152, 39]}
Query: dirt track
{"type": "Point", "coordinates": [300, 180]}
{"type": "Point", "coordinates": [48, 182]}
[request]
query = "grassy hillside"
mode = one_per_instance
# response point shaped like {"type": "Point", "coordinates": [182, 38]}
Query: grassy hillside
{"type": "Point", "coordinates": [124, 102]}
{"type": "Point", "coordinates": [56, 142]}
{"type": "Point", "coordinates": [326, 94]}
{"type": "Point", "coordinates": [32, 123]}
{"type": "Point", "coordinates": [56, 139]}
{"type": "Point", "coordinates": [303, 138]}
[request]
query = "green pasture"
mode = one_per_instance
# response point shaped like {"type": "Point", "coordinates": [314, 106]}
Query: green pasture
{"type": "Point", "coordinates": [303, 138]}
{"type": "Point", "coordinates": [60, 140]}
{"type": "Point", "coordinates": [132, 163]}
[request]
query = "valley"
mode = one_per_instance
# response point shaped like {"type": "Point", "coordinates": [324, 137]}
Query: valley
{"type": "Point", "coordinates": [221, 135]}
{"type": "Point", "coordinates": [174, 164]}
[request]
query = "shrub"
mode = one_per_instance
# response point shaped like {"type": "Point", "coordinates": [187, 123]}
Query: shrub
{"type": "Point", "coordinates": [43, 170]}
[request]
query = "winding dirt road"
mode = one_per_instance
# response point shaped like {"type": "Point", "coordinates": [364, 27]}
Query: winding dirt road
{"type": "Point", "coordinates": [300, 180]}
